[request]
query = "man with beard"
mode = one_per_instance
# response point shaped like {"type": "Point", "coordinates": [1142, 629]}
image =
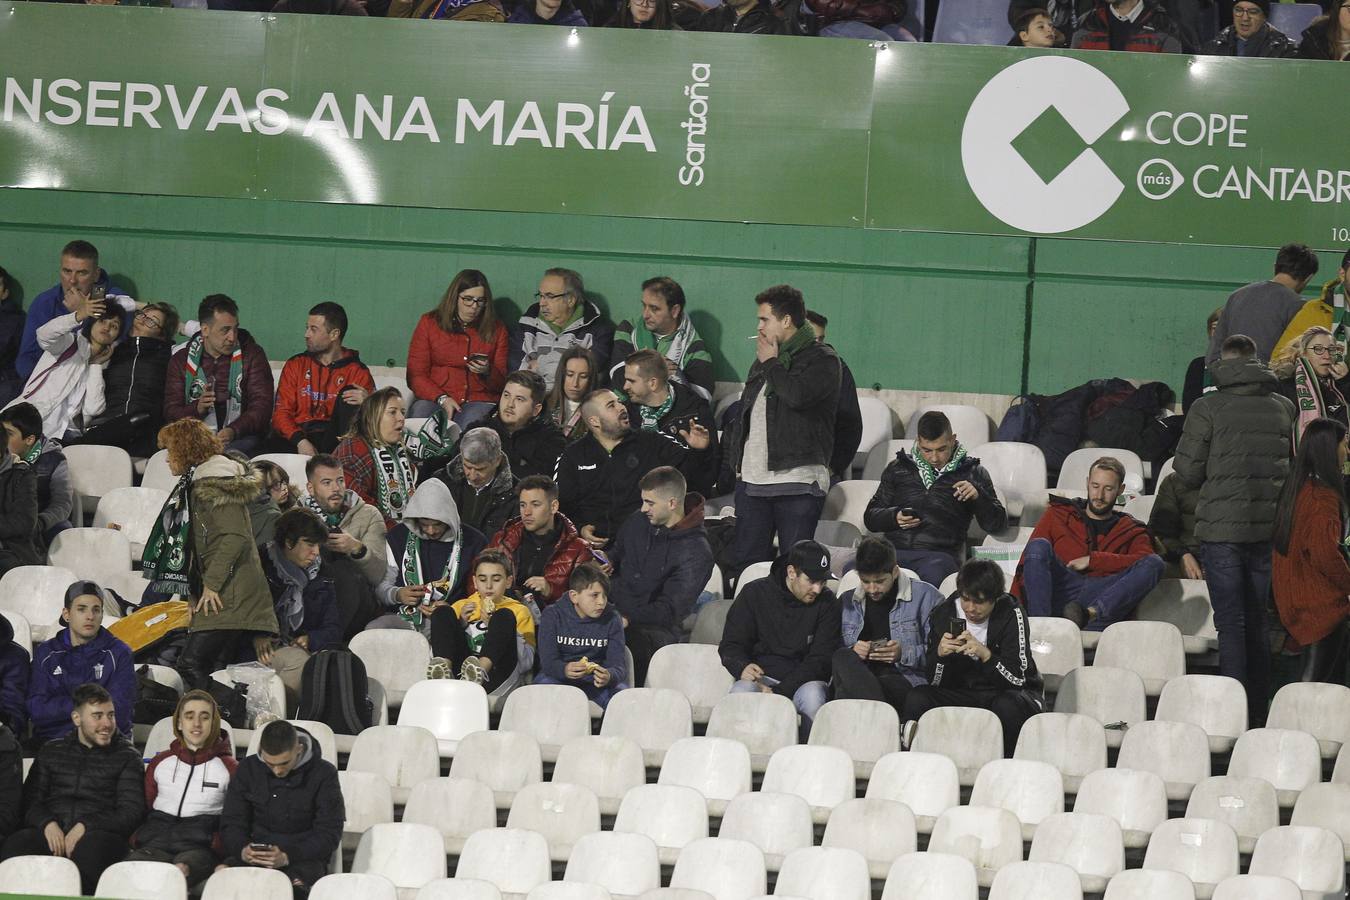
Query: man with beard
{"type": "Point", "coordinates": [531, 440]}
{"type": "Point", "coordinates": [356, 540]}
{"type": "Point", "coordinates": [598, 475]}
{"type": "Point", "coordinates": [1086, 561]}
{"type": "Point", "coordinates": [321, 389]}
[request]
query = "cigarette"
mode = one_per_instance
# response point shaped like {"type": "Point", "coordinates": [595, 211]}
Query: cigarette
{"type": "Point", "coordinates": [753, 337]}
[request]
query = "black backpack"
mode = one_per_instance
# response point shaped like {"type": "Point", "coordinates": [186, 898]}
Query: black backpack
{"type": "Point", "coordinates": [154, 701]}
{"type": "Point", "coordinates": [333, 690]}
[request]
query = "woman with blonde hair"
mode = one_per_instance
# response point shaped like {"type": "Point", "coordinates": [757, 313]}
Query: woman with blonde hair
{"type": "Point", "coordinates": [378, 465]}
{"type": "Point", "coordinates": [1312, 372]}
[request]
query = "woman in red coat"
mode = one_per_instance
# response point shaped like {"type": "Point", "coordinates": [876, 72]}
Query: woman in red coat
{"type": "Point", "coordinates": [1310, 567]}
{"type": "Point", "coordinates": [457, 358]}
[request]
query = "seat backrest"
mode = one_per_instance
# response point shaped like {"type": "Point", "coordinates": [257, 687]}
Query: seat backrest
{"type": "Point", "coordinates": [718, 768]}
{"type": "Point", "coordinates": [568, 890]}
{"type": "Point", "coordinates": [133, 509]}
{"type": "Point", "coordinates": [550, 713]}
{"type": "Point", "coordinates": [409, 855]}
{"type": "Point", "coordinates": [320, 731]}
{"type": "Point", "coordinates": [40, 874]}
{"type": "Point", "coordinates": [694, 670]}
{"type": "Point", "coordinates": [775, 822]}
{"type": "Point", "coordinates": [366, 800]}
{"type": "Point", "coordinates": [1215, 703]}
{"type": "Point", "coordinates": [609, 766]}
{"type": "Point", "coordinates": [1293, 18]}
{"type": "Point", "coordinates": [1325, 806]}
{"type": "Point", "coordinates": [763, 722]}
{"type": "Point", "coordinates": [866, 729]}
{"type": "Point", "coordinates": [91, 553]}
{"type": "Point", "coordinates": [881, 830]}
{"type": "Point", "coordinates": [969, 736]}
{"type": "Point", "coordinates": [1287, 759]}
{"type": "Point", "coordinates": [157, 474]}
{"type": "Point", "coordinates": [969, 423]}
{"type": "Point", "coordinates": [515, 861]}
{"type": "Point", "coordinates": [933, 876]}
{"type": "Point", "coordinates": [1106, 694]}
{"type": "Point", "coordinates": [1137, 800]}
{"type": "Point", "coordinates": [669, 814]}
{"type": "Point", "coordinates": [141, 880]}
{"type": "Point", "coordinates": [625, 864]}
{"type": "Point", "coordinates": [293, 463]}
{"type": "Point", "coordinates": [925, 782]}
{"type": "Point", "coordinates": [1026, 788]}
{"type": "Point", "coordinates": [344, 886]}
{"type": "Point", "coordinates": [1322, 710]}
{"type": "Point", "coordinates": [1257, 887]}
{"type": "Point", "coordinates": [877, 423]}
{"type": "Point", "coordinates": [1036, 881]}
{"type": "Point", "coordinates": [248, 883]}
{"type": "Point", "coordinates": [1184, 602]}
{"type": "Point", "coordinates": [882, 455]}
{"type": "Point", "coordinates": [37, 593]}
{"type": "Point", "coordinates": [1018, 469]}
{"type": "Point", "coordinates": [456, 807]}
{"type": "Point", "coordinates": [161, 736]}
{"type": "Point", "coordinates": [1177, 751]}
{"type": "Point", "coordinates": [1203, 850]}
{"type": "Point", "coordinates": [709, 624]}
{"type": "Point", "coordinates": [824, 873]}
{"type": "Point", "coordinates": [822, 776]}
{"type": "Point", "coordinates": [1153, 649]}
{"type": "Point", "coordinates": [1249, 805]}
{"type": "Point", "coordinates": [847, 501]}
{"type": "Point", "coordinates": [752, 572]}
{"type": "Point", "coordinates": [653, 717]}
{"type": "Point", "coordinates": [562, 813]}
{"type": "Point", "coordinates": [1088, 843]}
{"type": "Point", "coordinates": [727, 869]}
{"type": "Point", "coordinates": [96, 469]}
{"type": "Point", "coordinates": [396, 658]}
{"type": "Point", "coordinates": [1073, 744]}
{"type": "Point", "coordinates": [23, 634]}
{"type": "Point", "coordinates": [1311, 857]}
{"type": "Point", "coordinates": [450, 710]}
{"type": "Point", "coordinates": [459, 889]}
{"type": "Point", "coordinates": [503, 760]}
{"type": "Point", "coordinates": [987, 836]}
{"type": "Point", "coordinates": [1151, 884]}
{"type": "Point", "coordinates": [1074, 473]}
{"type": "Point", "coordinates": [403, 754]}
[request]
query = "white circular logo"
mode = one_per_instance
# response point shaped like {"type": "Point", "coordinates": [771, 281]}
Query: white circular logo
{"type": "Point", "coordinates": [1001, 178]}
{"type": "Point", "coordinates": [1158, 179]}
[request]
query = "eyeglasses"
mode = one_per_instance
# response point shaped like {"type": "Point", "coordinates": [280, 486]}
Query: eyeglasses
{"type": "Point", "coordinates": [1322, 351]}
{"type": "Point", "coordinates": [1250, 12]}
{"type": "Point", "coordinates": [146, 317]}
{"type": "Point", "coordinates": [472, 301]}
{"type": "Point", "coordinates": [645, 4]}
{"type": "Point", "coordinates": [551, 298]}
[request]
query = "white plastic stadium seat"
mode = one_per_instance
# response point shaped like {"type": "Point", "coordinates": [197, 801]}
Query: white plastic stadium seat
{"type": "Point", "coordinates": [395, 381]}
{"type": "Point", "coordinates": [396, 658]}
{"type": "Point", "coordinates": [1311, 857]}
{"type": "Point", "coordinates": [1287, 759]}
{"type": "Point", "coordinates": [1030, 790]}
{"type": "Point", "coordinates": [552, 714]}
{"type": "Point", "coordinates": [653, 717]}
{"type": "Point", "coordinates": [458, 889]}
{"type": "Point", "coordinates": [1322, 710]}
{"type": "Point", "coordinates": [568, 890]}
{"type": "Point", "coordinates": [1019, 470]}
{"type": "Point", "coordinates": [39, 874]}
{"type": "Point", "coordinates": [671, 815]}
{"type": "Point", "coordinates": [1257, 887]}
{"type": "Point", "coordinates": [135, 509]}
{"type": "Point", "coordinates": [1114, 697]}
{"type": "Point", "coordinates": [320, 731]}
{"type": "Point", "coordinates": [1036, 881]}
{"type": "Point", "coordinates": [1215, 703]}
{"type": "Point", "coordinates": [562, 813]}
{"type": "Point", "coordinates": [1204, 851]}
{"type": "Point", "coordinates": [408, 855]}
{"type": "Point", "coordinates": [157, 474]}
{"type": "Point", "coordinates": [927, 783]}
{"type": "Point", "coordinates": [847, 501]}
{"type": "Point", "coordinates": [764, 723]}
{"type": "Point", "coordinates": [877, 426]}
{"type": "Point", "coordinates": [23, 633]}
{"type": "Point", "coordinates": [988, 837]}
{"type": "Point", "coordinates": [1326, 806]}
{"type": "Point", "coordinates": [505, 761]}
{"type": "Point", "coordinates": [515, 861]}
{"type": "Point", "coordinates": [94, 471]}
{"type": "Point", "coordinates": [248, 883]}
{"type": "Point", "coordinates": [725, 868]}
{"type": "Point", "coordinates": [1073, 744]}
{"type": "Point", "coordinates": [609, 766]}
{"type": "Point", "coordinates": [450, 710]}
{"type": "Point", "coordinates": [138, 880]}
{"type": "Point", "coordinates": [882, 455]}
{"type": "Point", "coordinates": [1151, 649]}
{"type": "Point", "coordinates": [969, 423]}
{"type": "Point", "coordinates": [865, 729]}
{"type": "Point", "coordinates": [880, 830]}
{"type": "Point", "coordinates": [1073, 474]}
{"type": "Point", "coordinates": [969, 736]}
{"type": "Point", "coordinates": [1136, 800]}
{"type": "Point", "coordinates": [775, 822]}
{"type": "Point", "coordinates": [91, 553]}
{"type": "Point", "coordinates": [404, 755]}
{"type": "Point", "coordinates": [293, 463]}
{"type": "Point", "coordinates": [1090, 844]}
{"type": "Point", "coordinates": [824, 873]}
{"type": "Point", "coordinates": [1248, 805]}
{"type": "Point", "coordinates": [1152, 884]}
{"type": "Point", "coordinates": [718, 768]}
{"type": "Point", "coordinates": [752, 572]}
{"type": "Point", "coordinates": [626, 865]}
{"type": "Point", "coordinates": [456, 807]}
{"type": "Point", "coordinates": [1178, 752]}
{"type": "Point", "coordinates": [367, 801]}
{"type": "Point", "coordinates": [696, 671]}
{"type": "Point", "coordinates": [822, 776]}
{"type": "Point", "coordinates": [931, 876]}
{"type": "Point", "coordinates": [37, 593]}
{"type": "Point", "coordinates": [347, 886]}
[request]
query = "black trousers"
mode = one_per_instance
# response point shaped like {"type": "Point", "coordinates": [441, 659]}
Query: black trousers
{"type": "Point", "coordinates": [96, 851]}
{"type": "Point", "coordinates": [137, 433]}
{"type": "Point", "coordinates": [325, 435]}
{"type": "Point", "coordinates": [205, 652]}
{"type": "Point", "coordinates": [853, 679]}
{"type": "Point", "coordinates": [450, 641]}
{"type": "Point", "coordinates": [1325, 661]}
{"type": "Point", "coordinates": [1013, 708]}
{"type": "Point", "coordinates": [643, 642]}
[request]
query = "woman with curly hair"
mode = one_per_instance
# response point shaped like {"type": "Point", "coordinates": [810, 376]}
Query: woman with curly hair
{"type": "Point", "coordinates": [378, 465]}
{"type": "Point", "coordinates": [458, 354]}
{"type": "Point", "coordinates": [201, 547]}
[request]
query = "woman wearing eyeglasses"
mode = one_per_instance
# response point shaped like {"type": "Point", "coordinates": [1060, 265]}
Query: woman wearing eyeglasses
{"type": "Point", "coordinates": [457, 358]}
{"type": "Point", "coordinates": [652, 15]}
{"type": "Point", "coordinates": [1328, 37]}
{"type": "Point", "coordinates": [1313, 374]}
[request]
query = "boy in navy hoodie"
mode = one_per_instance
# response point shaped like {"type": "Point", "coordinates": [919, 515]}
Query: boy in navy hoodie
{"type": "Point", "coordinates": [81, 653]}
{"type": "Point", "coordinates": [581, 640]}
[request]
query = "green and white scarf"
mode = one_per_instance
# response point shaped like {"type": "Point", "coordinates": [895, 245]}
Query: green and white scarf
{"type": "Point", "coordinates": [195, 382]}
{"type": "Point", "coordinates": [437, 437]}
{"type": "Point", "coordinates": [678, 342]}
{"type": "Point", "coordinates": [651, 415]}
{"type": "Point", "coordinates": [395, 478]}
{"type": "Point", "coordinates": [168, 551]}
{"type": "Point", "coordinates": [929, 474]}
{"type": "Point", "coordinates": [35, 451]}
{"type": "Point", "coordinates": [788, 350]}
{"type": "Point", "coordinates": [413, 574]}
{"type": "Point", "coordinates": [333, 519]}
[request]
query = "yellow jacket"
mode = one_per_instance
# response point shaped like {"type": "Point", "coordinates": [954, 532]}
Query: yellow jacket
{"type": "Point", "coordinates": [1321, 312]}
{"type": "Point", "coordinates": [524, 621]}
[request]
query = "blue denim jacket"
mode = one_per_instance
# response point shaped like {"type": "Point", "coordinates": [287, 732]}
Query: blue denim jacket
{"type": "Point", "coordinates": [914, 602]}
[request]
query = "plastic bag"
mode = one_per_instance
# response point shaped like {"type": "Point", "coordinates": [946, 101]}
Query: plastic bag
{"type": "Point", "coordinates": [259, 680]}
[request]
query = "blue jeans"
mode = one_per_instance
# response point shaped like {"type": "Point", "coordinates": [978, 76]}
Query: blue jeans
{"type": "Point", "coordinates": [599, 696]}
{"type": "Point", "coordinates": [1049, 584]}
{"type": "Point", "coordinates": [808, 699]}
{"type": "Point", "coordinates": [932, 566]}
{"type": "Point", "coordinates": [792, 517]}
{"type": "Point", "coordinates": [1238, 576]}
{"type": "Point", "coordinates": [865, 32]}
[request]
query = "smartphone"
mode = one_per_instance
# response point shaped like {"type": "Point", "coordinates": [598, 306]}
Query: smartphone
{"type": "Point", "coordinates": [478, 357]}
{"type": "Point", "coordinates": [956, 627]}
{"type": "Point", "coordinates": [260, 847]}
{"type": "Point", "coordinates": [335, 529]}
{"type": "Point", "coordinates": [98, 292]}
{"type": "Point", "coordinates": [908, 511]}
{"type": "Point", "coordinates": [877, 645]}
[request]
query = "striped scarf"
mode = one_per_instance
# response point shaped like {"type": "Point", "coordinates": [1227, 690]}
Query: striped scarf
{"type": "Point", "coordinates": [929, 474]}
{"type": "Point", "coordinates": [195, 382]}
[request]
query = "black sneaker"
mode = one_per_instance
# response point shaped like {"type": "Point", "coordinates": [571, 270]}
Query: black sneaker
{"type": "Point", "coordinates": [1075, 613]}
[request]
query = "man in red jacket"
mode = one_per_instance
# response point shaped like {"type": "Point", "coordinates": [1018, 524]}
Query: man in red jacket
{"type": "Point", "coordinates": [542, 542]}
{"type": "Point", "coordinates": [320, 389]}
{"type": "Point", "coordinates": [222, 377]}
{"type": "Point", "coordinates": [1086, 561]}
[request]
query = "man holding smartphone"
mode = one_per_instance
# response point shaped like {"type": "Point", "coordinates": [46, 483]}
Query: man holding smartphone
{"type": "Point", "coordinates": [885, 630]}
{"type": "Point", "coordinates": [979, 655]}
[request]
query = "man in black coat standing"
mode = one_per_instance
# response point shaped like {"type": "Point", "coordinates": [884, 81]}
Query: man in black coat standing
{"type": "Point", "coordinates": [284, 808]}
{"type": "Point", "coordinates": [85, 794]}
{"type": "Point", "coordinates": [848, 424]}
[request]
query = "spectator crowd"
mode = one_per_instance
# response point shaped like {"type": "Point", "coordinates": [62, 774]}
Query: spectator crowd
{"type": "Point", "coordinates": [538, 514]}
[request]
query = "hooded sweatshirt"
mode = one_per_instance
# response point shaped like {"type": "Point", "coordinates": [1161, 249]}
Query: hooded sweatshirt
{"type": "Point", "coordinates": [564, 637]}
{"type": "Point", "coordinates": [59, 668]}
{"type": "Point", "coordinates": [437, 558]}
{"type": "Point", "coordinates": [1235, 448]}
{"type": "Point", "coordinates": [790, 640]}
{"type": "Point", "coordinates": [659, 572]}
{"type": "Point", "coordinates": [14, 674]}
{"type": "Point", "coordinates": [185, 792]}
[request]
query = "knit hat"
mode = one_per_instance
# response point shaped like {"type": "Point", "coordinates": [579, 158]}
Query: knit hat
{"type": "Point", "coordinates": [1264, 4]}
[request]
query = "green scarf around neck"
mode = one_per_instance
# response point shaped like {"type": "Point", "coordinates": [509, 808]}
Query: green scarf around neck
{"type": "Point", "coordinates": [929, 474]}
{"type": "Point", "coordinates": [804, 338]}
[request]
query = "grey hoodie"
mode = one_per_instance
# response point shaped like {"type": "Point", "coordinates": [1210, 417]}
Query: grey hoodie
{"type": "Point", "coordinates": [431, 500]}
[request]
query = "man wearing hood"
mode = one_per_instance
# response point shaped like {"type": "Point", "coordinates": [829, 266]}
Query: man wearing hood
{"type": "Point", "coordinates": [84, 796]}
{"type": "Point", "coordinates": [783, 630]}
{"type": "Point", "coordinates": [18, 514]}
{"type": "Point", "coordinates": [1235, 449]}
{"type": "Point", "coordinates": [84, 652]}
{"type": "Point", "coordinates": [221, 377]}
{"type": "Point", "coordinates": [431, 554]}
{"type": "Point", "coordinates": [284, 808]}
{"type": "Point", "coordinates": [320, 390]}
{"type": "Point", "coordinates": [14, 675]}
{"type": "Point", "coordinates": [481, 482]}
{"type": "Point", "coordinates": [561, 317]}
{"type": "Point", "coordinates": [662, 561]}
{"type": "Point", "coordinates": [1086, 561]}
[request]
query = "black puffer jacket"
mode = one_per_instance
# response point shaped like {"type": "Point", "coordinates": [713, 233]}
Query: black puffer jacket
{"type": "Point", "coordinates": [301, 813]}
{"type": "Point", "coordinates": [945, 519]}
{"type": "Point", "coordinates": [801, 410]}
{"type": "Point", "coordinates": [534, 449]}
{"type": "Point", "coordinates": [133, 382]}
{"type": "Point", "coordinates": [18, 515]}
{"type": "Point", "coordinates": [599, 488]}
{"type": "Point", "coordinates": [487, 514]}
{"type": "Point", "coordinates": [1268, 42]}
{"type": "Point", "coordinates": [660, 572]}
{"type": "Point", "coordinates": [102, 787]}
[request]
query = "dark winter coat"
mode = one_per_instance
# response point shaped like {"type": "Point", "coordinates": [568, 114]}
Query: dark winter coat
{"type": "Point", "coordinates": [18, 515]}
{"type": "Point", "coordinates": [569, 552]}
{"type": "Point", "coordinates": [1316, 42]}
{"type": "Point", "coordinates": [790, 640]}
{"type": "Point", "coordinates": [759, 20]}
{"type": "Point", "coordinates": [1268, 42]}
{"type": "Point", "coordinates": [11, 783]}
{"type": "Point", "coordinates": [58, 669]}
{"type": "Point", "coordinates": [534, 449]}
{"type": "Point", "coordinates": [848, 425]}
{"type": "Point", "coordinates": [14, 673]}
{"type": "Point", "coordinates": [1172, 520]}
{"type": "Point", "coordinates": [659, 572]}
{"type": "Point", "coordinates": [495, 509]}
{"type": "Point", "coordinates": [134, 379]}
{"type": "Point", "coordinates": [322, 617]}
{"type": "Point", "coordinates": [946, 520]}
{"type": "Point", "coordinates": [11, 333]}
{"type": "Point", "coordinates": [802, 409]}
{"type": "Point", "coordinates": [1139, 423]}
{"type": "Point", "coordinates": [600, 488]}
{"type": "Point", "coordinates": [688, 407]}
{"type": "Point", "coordinates": [255, 415]}
{"type": "Point", "coordinates": [1152, 32]}
{"type": "Point", "coordinates": [1011, 666]}
{"type": "Point", "coordinates": [100, 787]}
{"type": "Point", "coordinates": [302, 813]}
{"type": "Point", "coordinates": [1235, 448]}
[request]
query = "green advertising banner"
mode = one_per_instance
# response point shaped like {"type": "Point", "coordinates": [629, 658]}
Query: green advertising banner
{"type": "Point", "coordinates": [674, 125]}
